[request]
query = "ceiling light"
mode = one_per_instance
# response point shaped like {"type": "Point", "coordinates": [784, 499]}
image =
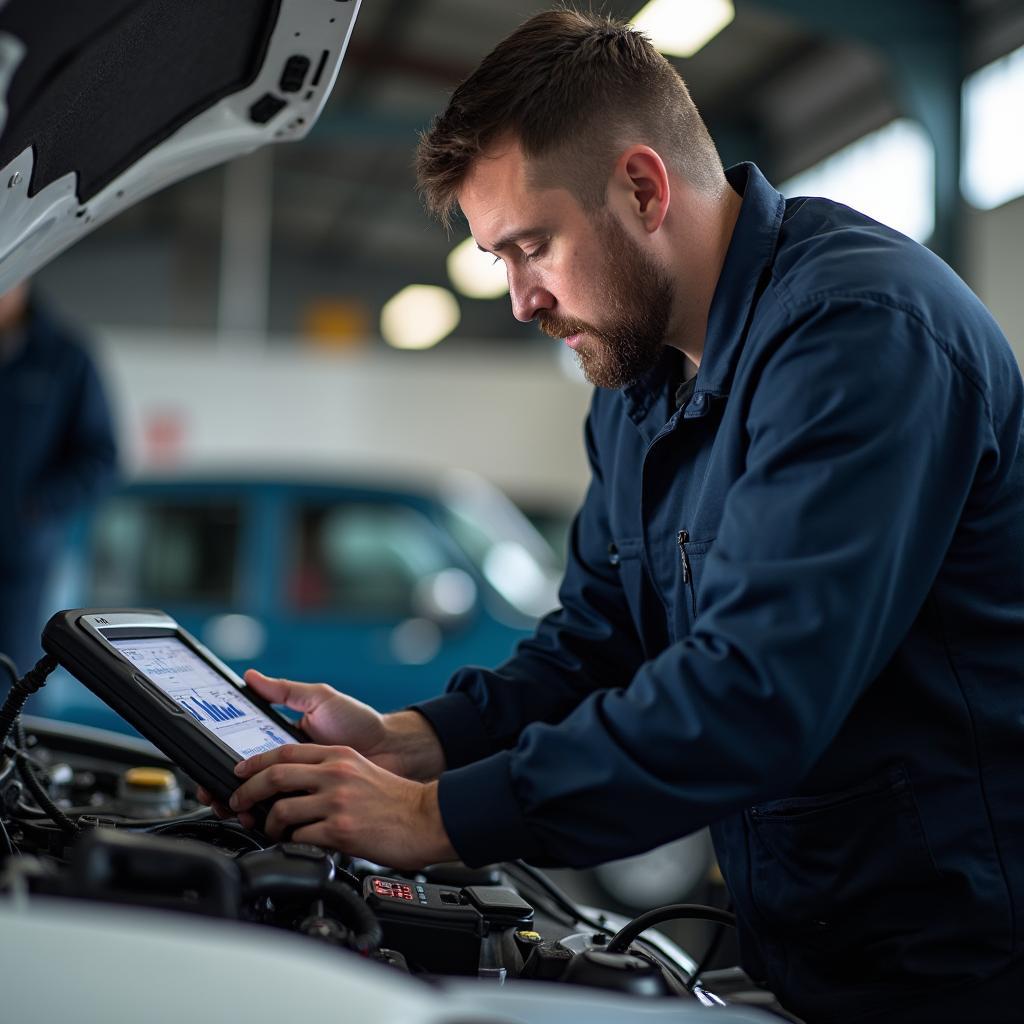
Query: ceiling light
{"type": "Point", "coordinates": [419, 316]}
{"type": "Point", "coordinates": [993, 167]}
{"type": "Point", "coordinates": [681, 29]}
{"type": "Point", "coordinates": [475, 273]}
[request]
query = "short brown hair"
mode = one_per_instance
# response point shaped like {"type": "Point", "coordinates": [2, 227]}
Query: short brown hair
{"type": "Point", "coordinates": [577, 88]}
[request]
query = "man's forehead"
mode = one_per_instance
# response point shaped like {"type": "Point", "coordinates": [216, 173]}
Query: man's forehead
{"type": "Point", "coordinates": [500, 198]}
{"type": "Point", "coordinates": [497, 177]}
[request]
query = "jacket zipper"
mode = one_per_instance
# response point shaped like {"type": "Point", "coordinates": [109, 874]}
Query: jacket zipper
{"type": "Point", "coordinates": [681, 539]}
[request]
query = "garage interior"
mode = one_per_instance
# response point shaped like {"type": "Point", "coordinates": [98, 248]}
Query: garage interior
{"type": "Point", "coordinates": [267, 368]}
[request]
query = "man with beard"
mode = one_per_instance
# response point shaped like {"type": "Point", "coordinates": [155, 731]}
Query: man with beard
{"type": "Point", "coordinates": [794, 603]}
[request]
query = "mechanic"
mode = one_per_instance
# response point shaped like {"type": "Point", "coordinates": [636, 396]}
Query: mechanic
{"type": "Point", "coordinates": [58, 455]}
{"type": "Point", "coordinates": [794, 601]}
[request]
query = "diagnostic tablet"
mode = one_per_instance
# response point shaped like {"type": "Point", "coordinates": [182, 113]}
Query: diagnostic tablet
{"type": "Point", "coordinates": [166, 684]}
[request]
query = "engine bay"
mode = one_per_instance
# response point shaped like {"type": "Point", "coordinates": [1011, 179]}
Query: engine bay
{"type": "Point", "coordinates": [90, 816]}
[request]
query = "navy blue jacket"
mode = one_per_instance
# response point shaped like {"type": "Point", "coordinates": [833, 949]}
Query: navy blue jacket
{"type": "Point", "coordinates": [57, 454]}
{"type": "Point", "coordinates": [793, 610]}
{"type": "Point", "coordinates": [58, 448]}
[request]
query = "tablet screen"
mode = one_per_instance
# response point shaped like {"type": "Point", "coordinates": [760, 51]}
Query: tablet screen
{"type": "Point", "coordinates": [204, 693]}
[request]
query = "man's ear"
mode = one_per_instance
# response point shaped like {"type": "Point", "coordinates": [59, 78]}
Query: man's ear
{"type": "Point", "coordinates": [639, 186]}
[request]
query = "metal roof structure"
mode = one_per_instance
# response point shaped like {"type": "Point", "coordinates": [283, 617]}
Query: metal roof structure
{"type": "Point", "coordinates": [785, 84]}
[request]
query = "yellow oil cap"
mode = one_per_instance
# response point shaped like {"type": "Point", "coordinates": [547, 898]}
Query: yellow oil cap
{"type": "Point", "coordinates": [150, 778]}
{"type": "Point", "coordinates": [528, 936]}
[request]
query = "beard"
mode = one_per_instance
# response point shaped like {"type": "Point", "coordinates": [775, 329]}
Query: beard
{"type": "Point", "coordinates": [629, 338]}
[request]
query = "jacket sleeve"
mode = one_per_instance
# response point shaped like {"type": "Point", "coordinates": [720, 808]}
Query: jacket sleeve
{"type": "Point", "coordinates": [863, 440]}
{"type": "Point", "coordinates": [588, 643]}
{"type": "Point", "coordinates": [85, 464]}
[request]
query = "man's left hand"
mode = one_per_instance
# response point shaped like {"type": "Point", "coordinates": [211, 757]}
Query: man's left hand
{"type": "Point", "coordinates": [343, 801]}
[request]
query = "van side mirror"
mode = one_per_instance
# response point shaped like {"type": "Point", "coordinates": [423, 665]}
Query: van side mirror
{"type": "Point", "coordinates": [447, 597]}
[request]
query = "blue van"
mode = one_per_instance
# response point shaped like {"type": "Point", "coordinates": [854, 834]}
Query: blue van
{"type": "Point", "coordinates": [381, 591]}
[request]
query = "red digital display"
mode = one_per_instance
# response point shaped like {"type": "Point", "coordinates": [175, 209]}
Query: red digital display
{"type": "Point", "coordinates": [396, 890]}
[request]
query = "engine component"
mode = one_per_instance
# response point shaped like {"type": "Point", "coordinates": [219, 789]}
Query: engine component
{"type": "Point", "coordinates": [436, 926]}
{"type": "Point", "coordinates": [546, 961]}
{"type": "Point", "coordinates": [179, 874]}
{"type": "Point", "coordinates": [149, 792]}
{"type": "Point", "coordinates": [297, 873]}
{"type": "Point", "coordinates": [500, 906]}
{"type": "Point", "coordinates": [468, 922]}
{"type": "Point", "coordinates": [620, 971]}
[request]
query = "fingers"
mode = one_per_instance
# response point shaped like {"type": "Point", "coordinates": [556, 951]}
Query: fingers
{"type": "Point", "coordinates": [297, 696]}
{"type": "Point", "coordinates": [278, 778]}
{"type": "Point", "coordinates": [317, 834]}
{"type": "Point", "coordinates": [205, 797]}
{"type": "Point", "coordinates": [342, 801]}
{"type": "Point", "coordinates": [297, 810]}
{"type": "Point", "coordinates": [290, 753]}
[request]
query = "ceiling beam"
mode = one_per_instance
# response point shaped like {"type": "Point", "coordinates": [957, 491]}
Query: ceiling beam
{"type": "Point", "coordinates": [922, 43]}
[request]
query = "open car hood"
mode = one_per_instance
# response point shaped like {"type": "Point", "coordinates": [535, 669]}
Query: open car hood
{"type": "Point", "coordinates": [103, 103]}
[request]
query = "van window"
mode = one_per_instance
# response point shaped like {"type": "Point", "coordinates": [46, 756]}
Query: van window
{"type": "Point", "coordinates": [161, 552]}
{"type": "Point", "coordinates": [363, 560]}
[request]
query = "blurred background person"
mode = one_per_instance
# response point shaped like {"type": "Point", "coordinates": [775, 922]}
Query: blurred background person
{"type": "Point", "coordinates": [58, 454]}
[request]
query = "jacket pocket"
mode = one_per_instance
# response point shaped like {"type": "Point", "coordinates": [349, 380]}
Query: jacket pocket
{"type": "Point", "coordinates": [686, 597]}
{"type": "Point", "coordinates": [846, 872]}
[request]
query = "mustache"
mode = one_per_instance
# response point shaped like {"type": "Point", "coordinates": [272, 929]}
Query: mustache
{"type": "Point", "coordinates": [559, 328]}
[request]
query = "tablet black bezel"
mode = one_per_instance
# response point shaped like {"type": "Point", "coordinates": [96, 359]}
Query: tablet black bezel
{"type": "Point", "coordinates": [108, 633]}
{"type": "Point", "coordinates": [80, 641]}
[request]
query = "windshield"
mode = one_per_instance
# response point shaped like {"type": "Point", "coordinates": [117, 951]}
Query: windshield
{"type": "Point", "coordinates": [501, 542]}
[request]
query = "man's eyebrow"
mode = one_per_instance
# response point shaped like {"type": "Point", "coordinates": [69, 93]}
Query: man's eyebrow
{"type": "Point", "coordinates": [513, 238]}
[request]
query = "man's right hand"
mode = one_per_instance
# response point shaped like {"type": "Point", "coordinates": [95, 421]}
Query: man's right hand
{"type": "Point", "coordinates": [403, 742]}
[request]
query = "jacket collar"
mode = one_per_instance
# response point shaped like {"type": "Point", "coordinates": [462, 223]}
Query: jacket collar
{"type": "Point", "coordinates": [748, 263]}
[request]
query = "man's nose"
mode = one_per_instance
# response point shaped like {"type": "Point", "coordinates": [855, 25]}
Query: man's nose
{"type": "Point", "coordinates": [528, 299]}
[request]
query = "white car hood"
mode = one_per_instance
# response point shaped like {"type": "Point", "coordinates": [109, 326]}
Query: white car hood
{"type": "Point", "coordinates": [106, 102]}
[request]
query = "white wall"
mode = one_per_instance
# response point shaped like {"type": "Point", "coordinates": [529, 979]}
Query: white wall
{"type": "Point", "coordinates": [995, 266]}
{"type": "Point", "coordinates": [189, 403]}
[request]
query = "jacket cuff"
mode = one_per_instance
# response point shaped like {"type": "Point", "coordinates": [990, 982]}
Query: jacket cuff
{"type": "Point", "coordinates": [481, 814]}
{"type": "Point", "coordinates": [459, 727]}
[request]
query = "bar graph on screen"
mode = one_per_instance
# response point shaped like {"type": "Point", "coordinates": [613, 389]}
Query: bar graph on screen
{"type": "Point", "coordinates": [222, 709]}
{"type": "Point", "coordinates": [221, 713]}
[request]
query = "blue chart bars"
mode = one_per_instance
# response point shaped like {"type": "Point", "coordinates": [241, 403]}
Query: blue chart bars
{"type": "Point", "coordinates": [218, 712]}
{"type": "Point", "coordinates": [198, 688]}
{"type": "Point", "coordinates": [249, 736]}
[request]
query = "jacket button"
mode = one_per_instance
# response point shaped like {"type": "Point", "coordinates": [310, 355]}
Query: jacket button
{"type": "Point", "coordinates": [698, 402]}
{"type": "Point", "coordinates": [613, 555]}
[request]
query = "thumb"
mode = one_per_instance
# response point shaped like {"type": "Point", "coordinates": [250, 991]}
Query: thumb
{"type": "Point", "coordinates": [297, 696]}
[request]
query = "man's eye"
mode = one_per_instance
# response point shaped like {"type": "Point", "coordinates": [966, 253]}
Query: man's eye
{"type": "Point", "coordinates": [539, 251]}
{"type": "Point", "coordinates": [495, 261]}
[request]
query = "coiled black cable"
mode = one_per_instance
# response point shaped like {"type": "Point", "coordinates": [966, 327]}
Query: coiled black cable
{"type": "Point", "coordinates": [6, 836]}
{"type": "Point", "coordinates": [557, 895]}
{"type": "Point", "coordinates": [352, 909]}
{"type": "Point", "coordinates": [562, 902]}
{"type": "Point", "coordinates": [21, 690]}
{"type": "Point", "coordinates": [709, 955]}
{"type": "Point", "coordinates": [36, 788]}
{"type": "Point", "coordinates": [619, 942]}
{"type": "Point", "coordinates": [212, 830]}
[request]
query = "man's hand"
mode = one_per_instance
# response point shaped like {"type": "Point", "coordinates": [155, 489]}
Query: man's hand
{"type": "Point", "coordinates": [343, 801]}
{"type": "Point", "coordinates": [403, 743]}
{"type": "Point", "coordinates": [401, 747]}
